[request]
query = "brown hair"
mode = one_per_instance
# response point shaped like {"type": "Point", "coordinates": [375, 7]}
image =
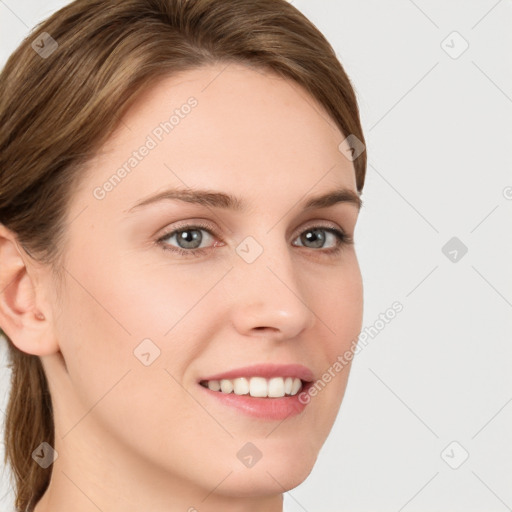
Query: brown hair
{"type": "Point", "coordinates": [57, 108]}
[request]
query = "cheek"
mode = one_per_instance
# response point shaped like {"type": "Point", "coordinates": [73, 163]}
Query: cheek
{"type": "Point", "coordinates": [108, 382]}
{"type": "Point", "coordinates": [114, 313]}
{"type": "Point", "coordinates": [338, 304]}
{"type": "Point", "coordinates": [95, 343]}
{"type": "Point", "coordinates": [340, 308]}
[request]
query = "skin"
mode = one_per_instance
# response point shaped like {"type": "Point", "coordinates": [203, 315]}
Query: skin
{"type": "Point", "coordinates": [132, 437]}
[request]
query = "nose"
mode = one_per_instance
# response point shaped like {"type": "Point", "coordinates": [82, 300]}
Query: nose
{"type": "Point", "coordinates": [268, 297]}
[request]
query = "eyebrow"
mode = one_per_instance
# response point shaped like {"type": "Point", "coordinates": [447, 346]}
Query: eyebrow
{"type": "Point", "coordinates": [214, 199]}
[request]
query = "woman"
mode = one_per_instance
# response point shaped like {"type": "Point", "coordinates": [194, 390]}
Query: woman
{"type": "Point", "coordinates": [180, 184]}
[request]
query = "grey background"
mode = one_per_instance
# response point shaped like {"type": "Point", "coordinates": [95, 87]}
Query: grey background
{"type": "Point", "coordinates": [438, 134]}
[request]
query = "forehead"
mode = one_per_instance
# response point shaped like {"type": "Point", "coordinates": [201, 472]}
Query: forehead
{"type": "Point", "coordinates": [224, 127]}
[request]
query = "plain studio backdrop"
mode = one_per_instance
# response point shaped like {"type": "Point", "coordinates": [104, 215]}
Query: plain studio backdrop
{"type": "Point", "coordinates": [426, 420]}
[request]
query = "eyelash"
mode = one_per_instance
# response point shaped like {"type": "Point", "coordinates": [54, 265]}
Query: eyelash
{"type": "Point", "coordinates": [342, 240]}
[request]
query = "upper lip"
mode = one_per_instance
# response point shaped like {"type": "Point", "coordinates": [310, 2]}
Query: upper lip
{"type": "Point", "coordinates": [266, 370]}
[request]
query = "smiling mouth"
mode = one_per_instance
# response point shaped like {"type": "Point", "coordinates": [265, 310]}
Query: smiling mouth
{"type": "Point", "coordinates": [257, 387]}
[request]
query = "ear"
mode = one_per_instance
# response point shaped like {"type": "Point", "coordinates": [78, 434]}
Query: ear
{"type": "Point", "coordinates": [25, 314]}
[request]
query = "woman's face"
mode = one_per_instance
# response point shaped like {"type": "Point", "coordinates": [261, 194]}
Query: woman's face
{"type": "Point", "coordinates": [146, 315]}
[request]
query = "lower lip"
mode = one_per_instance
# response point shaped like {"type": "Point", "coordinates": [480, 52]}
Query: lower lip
{"type": "Point", "coordinates": [264, 408]}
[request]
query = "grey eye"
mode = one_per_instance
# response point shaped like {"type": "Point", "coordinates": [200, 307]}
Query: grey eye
{"type": "Point", "coordinates": [187, 238]}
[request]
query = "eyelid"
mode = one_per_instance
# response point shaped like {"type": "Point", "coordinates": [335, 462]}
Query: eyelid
{"type": "Point", "coordinates": [191, 224]}
{"type": "Point", "coordinates": [182, 225]}
{"type": "Point", "coordinates": [342, 236]}
{"type": "Point", "coordinates": [319, 223]}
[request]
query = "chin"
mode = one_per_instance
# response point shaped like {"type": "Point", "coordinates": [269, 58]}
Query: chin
{"type": "Point", "coordinates": [266, 482]}
{"type": "Point", "coordinates": [277, 471]}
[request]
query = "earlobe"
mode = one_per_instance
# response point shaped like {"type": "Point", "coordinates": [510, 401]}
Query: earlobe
{"type": "Point", "coordinates": [24, 315]}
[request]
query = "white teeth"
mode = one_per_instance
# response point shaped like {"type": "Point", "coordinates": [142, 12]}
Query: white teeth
{"type": "Point", "coordinates": [296, 386]}
{"type": "Point", "coordinates": [241, 386]}
{"type": "Point", "coordinates": [226, 386]}
{"type": "Point", "coordinates": [258, 387]}
{"type": "Point", "coordinates": [214, 385]}
{"type": "Point", "coordinates": [276, 387]}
